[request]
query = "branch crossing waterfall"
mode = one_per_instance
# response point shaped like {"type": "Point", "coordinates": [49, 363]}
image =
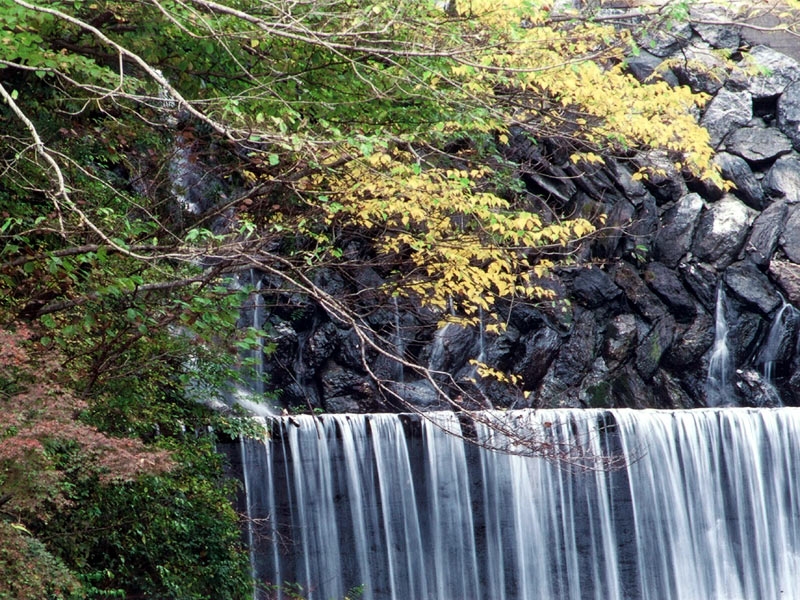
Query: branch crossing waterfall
{"type": "Point", "coordinates": [719, 365]}
{"type": "Point", "coordinates": [609, 505]}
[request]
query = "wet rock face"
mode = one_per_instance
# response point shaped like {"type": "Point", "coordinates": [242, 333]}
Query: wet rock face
{"type": "Point", "coordinates": [687, 271]}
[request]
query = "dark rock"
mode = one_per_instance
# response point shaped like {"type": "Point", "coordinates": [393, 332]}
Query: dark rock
{"type": "Point", "coordinates": [790, 238]}
{"type": "Point", "coordinates": [691, 343]}
{"type": "Point", "coordinates": [703, 281]}
{"type": "Point", "coordinates": [788, 277]}
{"type": "Point", "coordinates": [629, 390]}
{"type": "Point", "coordinates": [756, 391]}
{"type": "Point", "coordinates": [783, 179]}
{"type": "Point", "coordinates": [541, 349]}
{"type": "Point", "coordinates": [736, 170]}
{"type": "Point", "coordinates": [669, 394]}
{"type": "Point", "coordinates": [722, 231]}
{"type": "Point", "coordinates": [633, 189]}
{"type": "Point", "coordinates": [775, 354]}
{"type": "Point", "coordinates": [578, 352]}
{"type": "Point", "coordinates": [638, 294]}
{"type": "Point", "coordinates": [745, 328]}
{"type": "Point", "coordinates": [674, 239]}
{"type": "Point", "coordinates": [789, 113]}
{"type": "Point", "coordinates": [718, 36]}
{"type": "Point", "coordinates": [653, 346]}
{"type": "Point", "coordinates": [665, 182]}
{"type": "Point", "coordinates": [643, 229]}
{"type": "Point", "coordinates": [666, 284]}
{"type": "Point", "coordinates": [321, 345]}
{"type": "Point", "coordinates": [776, 72]}
{"type": "Point", "coordinates": [728, 110]}
{"type": "Point", "coordinates": [765, 233]}
{"type": "Point", "coordinates": [420, 394]}
{"type": "Point", "coordinates": [452, 346]}
{"type": "Point", "coordinates": [758, 145]}
{"type": "Point", "coordinates": [339, 382]}
{"type": "Point", "coordinates": [752, 287]}
{"type": "Point", "coordinates": [701, 69]}
{"type": "Point", "coordinates": [592, 287]}
{"type": "Point", "coordinates": [649, 68]}
{"type": "Point", "coordinates": [619, 340]}
{"type": "Point", "coordinates": [619, 218]}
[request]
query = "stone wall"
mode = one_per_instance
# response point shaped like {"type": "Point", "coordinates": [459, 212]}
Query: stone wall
{"type": "Point", "coordinates": [686, 277]}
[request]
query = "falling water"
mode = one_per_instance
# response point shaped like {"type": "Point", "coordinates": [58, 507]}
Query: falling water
{"type": "Point", "coordinates": [481, 336]}
{"type": "Point", "coordinates": [770, 352]}
{"type": "Point", "coordinates": [617, 505]}
{"type": "Point", "coordinates": [399, 346]}
{"type": "Point", "coordinates": [258, 351]}
{"type": "Point", "coordinates": [718, 390]}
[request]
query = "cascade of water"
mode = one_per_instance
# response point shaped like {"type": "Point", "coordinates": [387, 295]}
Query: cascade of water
{"type": "Point", "coordinates": [481, 336]}
{"type": "Point", "coordinates": [258, 351]}
{"type": "Point", "coordinates": [718, 388]}
{"type": "Point", "coordinates": [771, 350]}
{"type": "Point", "coordinates": [399, 345]}
{"type": "Point", "coordinates": [705, 506]}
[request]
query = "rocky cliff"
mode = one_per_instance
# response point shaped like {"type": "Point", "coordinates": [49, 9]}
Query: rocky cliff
{"type": "Point", "coordinates": [685, 299]}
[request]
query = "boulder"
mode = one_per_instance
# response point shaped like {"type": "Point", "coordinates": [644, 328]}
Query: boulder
{"type": "Point", "coordinates": [619, 340]}
{"type": "Point", "coordinates": [728, 110]}
{"type": "Point", "coordinates": [665, 182]}
{"type": "Point", "coordinates": [666, 284]}
{"type": "Point", "coordinates": [765, 233]}
{"type": "Point", "coordinates": [756, 391]}
{"type": "Point", "coordinates": [722, 231]}
{"type": "Point", "coordinates": [691, 343]}
{"type": "Point", "coordinates": [758, 145]}
{"type": "Point", "coordinates": [648, 68]}
{"type": "Point", "coordinates": [717, 36]}
{"type": "Point", "coordinates": [638, 294]}
{"type": "Point", "coordinates": [736, 170]}
{"type": "Point", "coordinates": [578, 352]}
{"type": "Point", "coordinates": [788, 277]}
{"type": "Point", "coordinates": [775, 71]}
{"type": "Point", "coordinates": [703, 281]}
{"type": "Point", "coordinates": [752, 287]}
{"type": "Point", "coordinates": [657, 341]}
{"type": "Point", "coordinates": [701, 69]}
{"type": "Point", "coordinates": [783, 179]}
{"type": "Point", "coordinates": [790, 237]}
{"type": "Point", "coordinates": [592, 287]}
{"type": "Point", "coordinates": [541, 349]}
{"type": "Point", "coordinates": [666, 41]}
{"type": "Point", "coordinates": [789, 113]}
{"type": "Point", "coordinates": [674, 238]}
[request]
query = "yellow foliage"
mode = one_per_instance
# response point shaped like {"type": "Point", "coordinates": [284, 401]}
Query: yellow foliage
{"type": "Point", "coordinates": [462, 248]}
{"type": "Point", "coordinates": [576, 74]}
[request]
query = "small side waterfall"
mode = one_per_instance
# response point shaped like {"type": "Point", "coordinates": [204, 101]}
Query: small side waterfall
{"type": "Point", "coordinates": [780, 340]}
{"type": "Point", "coordinates": [718, 385]}
{"type": "Point", "coordinates": [703, 505]}
{"type": "Point", "coordinates": [399, 342]}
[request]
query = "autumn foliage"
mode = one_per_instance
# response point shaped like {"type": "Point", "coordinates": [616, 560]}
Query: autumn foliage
{"type": "Point", "coordinates": [41, 438]}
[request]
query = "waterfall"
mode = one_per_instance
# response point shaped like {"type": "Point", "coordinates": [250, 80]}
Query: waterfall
{"type": "Point", "coordinates": [615, 505]}
{"type": "Point", "coordinates": [399, 345]}
{"type": "Point", "coordinates": [773, 348]}
{"type": "Point", "coordinates": [718, 386]}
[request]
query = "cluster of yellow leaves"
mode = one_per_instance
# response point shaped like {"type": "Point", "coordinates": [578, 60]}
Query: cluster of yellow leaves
{"type": "Point", "coordinates": [462, 248]}
{"type": "Point", "coordinates": [570, 79]}
{"type": "Point", "coordinates": [487, 372]}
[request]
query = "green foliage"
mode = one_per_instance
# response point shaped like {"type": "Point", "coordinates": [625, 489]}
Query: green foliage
{"type": "Point", "coordinates": [173, 535]}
